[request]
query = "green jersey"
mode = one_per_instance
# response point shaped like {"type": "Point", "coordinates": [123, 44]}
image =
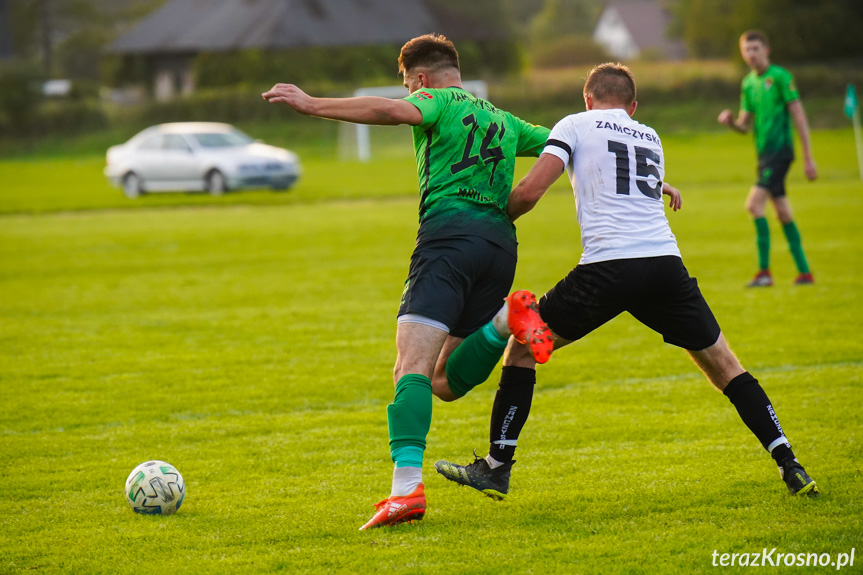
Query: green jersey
{"type": "Point", "coordinates": [465, 153]}
{"type": "Point", "coordinates": [767, 97]}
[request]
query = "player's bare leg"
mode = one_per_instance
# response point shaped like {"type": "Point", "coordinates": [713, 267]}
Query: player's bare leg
{"type": "Point", "coordinates": [795, 244]}
{"type": "Point", "coordinates": [724, 371]}
{"type": "Point", "coordinates": [465, 363]}
{"type": "Point", "coordinates": [491, 475]}
{"type": "Point", "coordinates": [718, 363]}
{"type": "Point", "coordinates": [409, 420]}
{"type": "Point", "coordinates": [440, 383]}
{"type": "Point", "coordinates": [756, 204]}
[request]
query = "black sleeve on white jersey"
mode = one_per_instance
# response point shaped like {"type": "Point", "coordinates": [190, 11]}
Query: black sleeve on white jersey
{"type": "Point", "coordinates": [562, 145]}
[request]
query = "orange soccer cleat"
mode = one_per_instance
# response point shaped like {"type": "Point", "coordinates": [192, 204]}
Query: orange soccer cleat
{"type": "Point", "coordinates": [527, 326]}
{"type": "Point", "coordinates": [394, 510]}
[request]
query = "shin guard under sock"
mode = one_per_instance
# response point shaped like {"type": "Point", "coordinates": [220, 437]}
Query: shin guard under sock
{"type": "Point", "coordinates": [796, 247]}
{"type": "Point", "coordinates": [762, 240]}
{"type": "Point", "coordinates": [757, 413]}
{"type": "Point", "coordinates": [409, 419]}
{"type": "Point", "coordinates": [510, 411]}
{"type": "Point", "coordinates": [474, 359]}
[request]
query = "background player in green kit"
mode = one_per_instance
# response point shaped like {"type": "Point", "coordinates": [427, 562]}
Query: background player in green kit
{"type": "Point", "coordinates": [768, 94]}
{"type": "Point", "coordinates": [451, 329]}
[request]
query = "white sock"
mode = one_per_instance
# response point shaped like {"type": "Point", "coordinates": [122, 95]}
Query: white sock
{"type": "Point", "coordinates": [492, 462]}
{"type": "Point", "coordinates": [406, 480]}
{"type": "Point", "coordinates": [500, 321]}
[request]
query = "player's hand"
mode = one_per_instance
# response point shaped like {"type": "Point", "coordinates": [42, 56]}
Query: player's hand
{"type": "Point", "coordinates": [810, 169]}
{"type": "Point", "coordinates": [675, 201]}
{"type": "Point", "coordinates": [291, 95]}
{"type": "Point", "coordinates": [726, 118]}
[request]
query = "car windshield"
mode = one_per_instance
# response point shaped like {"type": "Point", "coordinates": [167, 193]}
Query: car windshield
{"type": "Point", "coordinates": [222, 139]}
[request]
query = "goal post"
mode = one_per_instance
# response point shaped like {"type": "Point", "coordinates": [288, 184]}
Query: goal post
{"type": "Point", "coordinates": [362, 133]}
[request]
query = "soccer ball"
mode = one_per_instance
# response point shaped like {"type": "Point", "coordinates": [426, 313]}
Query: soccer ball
{"type": "Point", "coordinates": [155, 488]}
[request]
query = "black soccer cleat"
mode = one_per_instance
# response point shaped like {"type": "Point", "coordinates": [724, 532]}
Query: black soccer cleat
{"type": "Point", "coordinates": [796, 478]}
{"type": "Point", "coordinates": [492, 482]}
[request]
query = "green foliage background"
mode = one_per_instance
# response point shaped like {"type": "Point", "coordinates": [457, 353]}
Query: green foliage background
{"type": "Point", "coordinates": [799, 30]}
{"type": "Point", "coordinates": [817, 41]}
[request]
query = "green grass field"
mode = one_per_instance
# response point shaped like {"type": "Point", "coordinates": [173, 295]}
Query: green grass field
{"type": "Point", "coordinates": [249, 341]}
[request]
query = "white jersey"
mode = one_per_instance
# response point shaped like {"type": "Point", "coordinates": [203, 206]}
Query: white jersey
{"type": "Point", "coordinates": [616, 169]}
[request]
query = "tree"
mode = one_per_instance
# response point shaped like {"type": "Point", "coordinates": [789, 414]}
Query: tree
{"type": "Point", "coordinates": [67, 36]}
{"type": "Point", "coordinates": [561, 18]}
{"type": "Point", "coordinates": [798, 29]}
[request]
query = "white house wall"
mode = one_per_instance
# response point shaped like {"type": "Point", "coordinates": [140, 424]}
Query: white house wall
{"type": "Point", "coordinates": [612, 34]}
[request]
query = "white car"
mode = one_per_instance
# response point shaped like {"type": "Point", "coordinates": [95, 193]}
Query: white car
{"type": "Point", "coordinates": [198, 156]}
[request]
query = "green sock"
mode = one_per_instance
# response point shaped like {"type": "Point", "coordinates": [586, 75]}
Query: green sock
{"type": "Point", "coordinates": [762, 231]}
{"type": "Point", "coordinates": [793, 236]}
{"type": "Point", "coordinates": [474, 359]}
{"type": "Point", "coordinates": [409, 419]}
{"type": "Point", "coordinates": [407, 456]}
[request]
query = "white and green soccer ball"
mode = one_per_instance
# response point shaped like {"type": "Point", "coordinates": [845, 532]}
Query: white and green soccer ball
{"type": "Point", "coordinates": [155, 488]}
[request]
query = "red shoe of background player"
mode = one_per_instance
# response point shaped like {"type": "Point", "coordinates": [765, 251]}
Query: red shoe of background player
{"type": "Point", "coordinates": [804, 279]}
{"type": "Point", "coordinates": [761, 279]}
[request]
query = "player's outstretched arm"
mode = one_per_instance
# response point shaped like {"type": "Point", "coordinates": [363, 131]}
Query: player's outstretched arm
{"type": "Point", "coordinates": [360, 110]}
{"type": "Point", "coordinates": [533, 186]}
{"type": "Point", "coordinates": [795, 108]}
{"type": "Point", "coordinates": [676, 201]}
{"type": "Point", "coordinates": [741, 125]}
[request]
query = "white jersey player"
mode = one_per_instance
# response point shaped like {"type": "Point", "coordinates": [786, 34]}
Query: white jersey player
{"type": "Point", "coordinates": [616, 168]}
{"type": "Point", "coordinates": [630, 263]}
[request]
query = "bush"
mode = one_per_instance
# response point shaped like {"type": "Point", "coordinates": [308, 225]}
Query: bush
{"type": "Point", "coordinates": [354, 65]}
{"type": "Point", "coordinates": [25, 112]}
{"type": "Point", "coordinates": [570, 51]}
{"type": "Point", "coordinates": [231, 105]}
{"type": "Point", "coordinates": [302, 65]}
{"type": "Point", "coordinates": [20, 95]}
{"type": "Point", "coordinates": [492, 57]}
{"type": "Point", "coordinates": [826, 81]}
{"type": "Point", "coordinates": [66, 117]}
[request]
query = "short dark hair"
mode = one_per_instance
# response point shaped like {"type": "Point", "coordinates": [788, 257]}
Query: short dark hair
{"type": "Point", "coordinates": [754, 36]}
{"type": "Point", "coordinates": [611, 83]}
{"type": "Point", "coordinates": [431, 51]}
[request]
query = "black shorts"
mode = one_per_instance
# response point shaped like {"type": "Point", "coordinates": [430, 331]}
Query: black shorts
{"type": "Point", "coordinates": [771, 175]}
{"type": "Point", "coordinates": [459, 282]}
{"type": "Point", "coordinates": [657, 291]}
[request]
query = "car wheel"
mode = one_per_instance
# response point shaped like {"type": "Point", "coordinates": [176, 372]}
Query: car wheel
{"type": "Point", "coordinates": [132, 186]}
{"type": "Point", "coordinates": [215, 183]}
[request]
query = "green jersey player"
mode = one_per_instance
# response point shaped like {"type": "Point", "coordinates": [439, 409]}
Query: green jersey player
{"type": "Point", "coordinates": [451, 328]}
{"type": "Point", "coordinates": [768, 103]}
{"type": "Point", "coordinates": [464, 176]}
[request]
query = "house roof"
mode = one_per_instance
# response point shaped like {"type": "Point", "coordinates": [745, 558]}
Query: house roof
{"type": "Point", "coordinates": [647, 22]}
{"type": "Point", "coordinates": [191, 26]}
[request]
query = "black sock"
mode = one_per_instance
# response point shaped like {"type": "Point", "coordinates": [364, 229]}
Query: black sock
{"type": "Point", "coordinates": [755, 410]}
{"type": "Point", "coordinates": [510, 410]}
